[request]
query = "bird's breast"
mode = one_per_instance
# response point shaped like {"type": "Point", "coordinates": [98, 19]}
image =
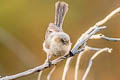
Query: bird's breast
{"type": "Point", "coordinates": [58, 49]}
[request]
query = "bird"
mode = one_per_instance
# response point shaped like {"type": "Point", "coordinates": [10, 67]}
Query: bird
{"type": "Point", "coordinates": [57, 42]}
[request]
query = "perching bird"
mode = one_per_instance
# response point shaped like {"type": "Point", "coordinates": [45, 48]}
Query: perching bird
{"type": "Point", "coordinates": [57, 42]}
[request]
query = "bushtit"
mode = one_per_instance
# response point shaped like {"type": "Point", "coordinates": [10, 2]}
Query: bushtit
{"type": "Point", "coordinates": [57, 42]}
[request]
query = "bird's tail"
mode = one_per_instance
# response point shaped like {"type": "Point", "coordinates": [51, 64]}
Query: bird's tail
{"type": "Point", "coordinates": [61, 10]}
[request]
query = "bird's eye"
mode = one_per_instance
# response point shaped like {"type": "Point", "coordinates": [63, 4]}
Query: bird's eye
{"type": "Point", "coordinates": [62, 40]}
{"type": "Point", "coordinates": [50, 31]}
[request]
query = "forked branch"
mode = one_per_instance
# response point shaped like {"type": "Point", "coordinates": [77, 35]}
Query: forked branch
{"type": "Point", "coordinates": [81, 41]}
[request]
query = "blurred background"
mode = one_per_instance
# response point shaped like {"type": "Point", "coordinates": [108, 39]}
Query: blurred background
{"type": "Point", "coordinates": [22, 28]}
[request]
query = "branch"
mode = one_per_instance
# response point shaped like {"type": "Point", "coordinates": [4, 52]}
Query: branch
{"type": "Point", "coordinates": [93, 49]}
{"type": "Point", "coordinates": [46, 65]}
{"type": "Point", "coordinates": [101, 36]}
{"type": "Point", "coordinates": [78, 63]}
{"type": "Point", "coordinates": [39, 75]}
{"type": "Point", "coordinates": [87, 33]}
{"type": "Point", "coordinates": [50, 73]}
{"type": "Point", "coordinates": [108, 17]}
{"type": "Point", "coordinates": [87, 48]}
{"type": "Point", "coordinates": [82, 40]}
{"type": "Point", "coordinates": [68, 62]}
{"type": "Point", "coordinates": [92, 58]}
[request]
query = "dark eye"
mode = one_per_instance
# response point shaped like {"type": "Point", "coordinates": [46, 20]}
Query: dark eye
{"type": "Point", "coordinates": [62, 40]}
{"type": "Point", "coordinates": [50, 31]}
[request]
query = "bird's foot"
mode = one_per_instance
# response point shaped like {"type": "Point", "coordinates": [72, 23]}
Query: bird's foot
{"type": "Point", "coordinates": [49, 63]}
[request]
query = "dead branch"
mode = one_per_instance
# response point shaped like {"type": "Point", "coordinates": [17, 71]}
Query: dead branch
{"type": "Point", "coordinates": [88, 32]}
{"type": "Point", "coordinates": [81, 41]}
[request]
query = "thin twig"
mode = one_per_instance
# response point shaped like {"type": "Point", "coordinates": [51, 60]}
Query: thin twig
{"type": "Point", "coordinates": [87, 48]}
{"type": "Point", "coordinates": [68, 62]}
{"type": "Point", "coordinates": [116, 11]}
{"type": "Point", "coordinates": [81, 39]}
{"type": "Point", "coordinates": [66, 67]}
{"type": "Point", "coordinates": [39, 75]}
{"type": "Point", "coordinates": [92, 48]}
{"type": "Point", "coordinates": [51, 72]}
{"type": "Point", "coordinates": [101, 36]}
{"type": "Point", "coordinates": [92, 58]}
{"type": "Point", "coordinates": [78, 62]}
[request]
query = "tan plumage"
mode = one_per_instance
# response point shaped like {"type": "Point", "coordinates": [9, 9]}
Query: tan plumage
{"type": "Point", "coordinates": [57, 42]}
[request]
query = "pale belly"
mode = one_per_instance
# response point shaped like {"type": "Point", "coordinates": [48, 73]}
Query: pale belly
{"type": "Point", "coordinates": [59, 50]}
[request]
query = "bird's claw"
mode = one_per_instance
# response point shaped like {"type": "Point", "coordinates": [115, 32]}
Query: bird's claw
{"type": "Point", "coordinates": [49, 63]}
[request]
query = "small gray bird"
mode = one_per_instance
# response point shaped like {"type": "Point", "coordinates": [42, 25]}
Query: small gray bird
{"type": "Point", "coordinates": [57, 42]}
